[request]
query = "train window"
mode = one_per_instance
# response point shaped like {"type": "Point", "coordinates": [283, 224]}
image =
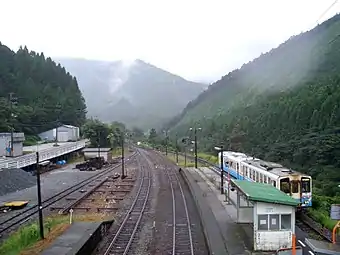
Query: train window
{"type": "Point", "coordinates": [284, 185]}
{"type": "Point", "coordinates": [274, 184]}
{"type": "Point", "coordinates": [295, 186]}
{"type": "Point", "coordinates": [265, 179]}
{"type": "Point", "coordinates": [261, 177]}
{"type": "Point", "coordinates": [286, 222]}
{"type": "Point", "coordinates": [305, 185]}
{"type": "Point", "coordinates": [257, 176]}
{"type": "Point", "coordinates": [237, 167]}
{"type": "Point", "coordinates": [247, 172]}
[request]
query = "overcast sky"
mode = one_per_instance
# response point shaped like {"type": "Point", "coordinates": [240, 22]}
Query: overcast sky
{"type": "Point", "coordinates": [192, 38]}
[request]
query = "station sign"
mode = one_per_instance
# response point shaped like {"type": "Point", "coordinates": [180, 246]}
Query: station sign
{"type": "Point", "coordinates": [335, 212]}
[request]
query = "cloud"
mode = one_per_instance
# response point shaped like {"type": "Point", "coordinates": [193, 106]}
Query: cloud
{"type": "Point", "coordinates": [191, 38]}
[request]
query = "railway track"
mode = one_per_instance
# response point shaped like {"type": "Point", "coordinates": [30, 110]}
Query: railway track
{"type": "Point", "coordinates": [27, 214]}
{"type": "Point", "coordinates": [126, 233]}
{"type": "Point", "coordinates": [182, 238]}
{"type": "Point", "coordinates": [181, 234]}
{"type": "Point", "coordinates": [314, 229]}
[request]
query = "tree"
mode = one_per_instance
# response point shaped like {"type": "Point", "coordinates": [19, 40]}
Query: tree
{"type": "Point", "coordinates": [153, 136]}
{"type": "Point", "coordinates": [97, 132]}
{"type": "Point", "coordinates": [40, 85]}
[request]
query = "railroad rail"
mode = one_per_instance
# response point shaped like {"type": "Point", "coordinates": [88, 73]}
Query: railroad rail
{"type": "Point", "coordinates": [313, 226]}
{"type": "Point", "coordinates": [26, 215]}
{"type": "Point", "coordinates": [181, 234]}
{"type": "Point", "coordinates": [124, 236]}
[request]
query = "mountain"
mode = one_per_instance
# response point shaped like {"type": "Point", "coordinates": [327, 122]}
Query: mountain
{"type": "Point", "coordinates": [136, 93]}
{"type": "Point", "coordinates": [44, 93]}
{"type": "Point", "coordinates": [283, 106]}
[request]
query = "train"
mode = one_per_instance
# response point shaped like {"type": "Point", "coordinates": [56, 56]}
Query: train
{"type": "Point", "coordinates": [243, 167]}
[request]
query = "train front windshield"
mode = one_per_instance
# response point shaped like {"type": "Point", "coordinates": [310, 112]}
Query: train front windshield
{"type": "Point", "coordinates": [305, 185]}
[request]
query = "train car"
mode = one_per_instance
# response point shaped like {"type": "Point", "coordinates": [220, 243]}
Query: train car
{"type": "Point", "coordinates": [231, 162]}
{"type": "Point", "coordinates": [293, 183]}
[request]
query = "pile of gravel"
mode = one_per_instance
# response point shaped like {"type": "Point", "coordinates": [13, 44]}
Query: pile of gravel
{"type": "Point", "coordinates": [14, 180]}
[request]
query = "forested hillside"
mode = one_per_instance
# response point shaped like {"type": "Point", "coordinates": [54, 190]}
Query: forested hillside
{"type": "Point", "coordinates": [45, 93]}
{"type": "Point", "coordinates": [284, 106]}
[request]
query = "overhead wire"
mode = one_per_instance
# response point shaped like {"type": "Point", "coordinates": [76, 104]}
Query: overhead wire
{"type": "Point", "coordinates": [324, 13]}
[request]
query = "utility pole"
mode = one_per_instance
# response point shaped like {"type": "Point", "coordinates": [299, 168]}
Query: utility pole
{"type": "Point", "coordinates": [185, 142]}
{"type": "Point", "coordinates": [176, 149]}
{"type": "Point", "coordinates": [41, 222]}
{"type": "Point", "coordinates": [195, 148]}
{"type": "Point", "coordinates": [58, 109]}
{"type": "Point", "coordinates": [166, 142]}
{"type": "Point", "coordinates": [56, 133]}
{"type": "Point", "coordinates": [185, 156]}
{"type": "Point", "coordinates": [123, 163]}
{"type": "Point", "coordinates": [195, 133]}
{"type": "Point", "coordinates": [12, 100]}
{"type": "Point", "coordinates": [98, 143]}
{"type": "Point", "coordinates": [222, 170]}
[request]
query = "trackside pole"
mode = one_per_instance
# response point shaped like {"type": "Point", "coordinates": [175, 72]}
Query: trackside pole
{"type": "Point", "coordinates": [294, 245]}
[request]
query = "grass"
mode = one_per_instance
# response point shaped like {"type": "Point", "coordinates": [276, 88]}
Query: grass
{"type": "Point", "coordinates": [181, 161]}
{"type": "Point", "coordinates": [118, 152]}
{"type": "Point", "coordinates": [322, 217]}
{"type": "Point", "coordinates": [212, 159]}
{"type": "Point", "coordinates": [320, 211]}
{"type": "Point", "coordinates": [26, 240]}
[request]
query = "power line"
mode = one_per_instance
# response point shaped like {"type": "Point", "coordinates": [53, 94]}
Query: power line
{"type": "Point", "coordinates": [324, 13]}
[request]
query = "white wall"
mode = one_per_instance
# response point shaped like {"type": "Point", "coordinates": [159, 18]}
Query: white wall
{"type": "Point", "coordinates": [107, 155]}
{"type": "Point", "coordinates": [273, 240]}
{"type": "Point", "coordinates": [5, 142]}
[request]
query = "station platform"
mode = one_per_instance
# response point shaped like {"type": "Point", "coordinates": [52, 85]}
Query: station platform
{"type": "Point", "coordinates": [322, 247]}
{"type": "Point", "coordinates": [253, 217]}
{"type": "Point", "coordinates": [80, 238]}
{"type": "Point", "coordinates": [237, 239]}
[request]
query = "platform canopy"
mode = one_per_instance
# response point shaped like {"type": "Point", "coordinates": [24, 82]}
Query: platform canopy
{"type": "Point", "coordinates": [262, 192]}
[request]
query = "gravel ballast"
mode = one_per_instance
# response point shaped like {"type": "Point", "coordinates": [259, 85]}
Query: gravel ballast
{"type": "Point", "coordinates": [12, 180]}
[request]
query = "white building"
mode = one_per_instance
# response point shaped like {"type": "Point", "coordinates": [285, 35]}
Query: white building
{"type": "Point", "coordinates": [106, 153]}
{"type": "Point", "coordinates": [63, 133]}
{"type": "Point", "coordinates": [5, 144]}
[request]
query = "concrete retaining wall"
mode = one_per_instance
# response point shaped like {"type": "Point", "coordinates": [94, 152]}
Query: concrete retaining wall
{"type": "Point", "coordinates": [80, 239]}
{"type": "Point", "coordinates": [211, 229]}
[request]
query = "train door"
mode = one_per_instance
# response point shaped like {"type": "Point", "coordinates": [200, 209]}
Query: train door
{"type": "Point", "coordinates": [306, 191]}
{"type": "Point", "coordinates": [295, 188]}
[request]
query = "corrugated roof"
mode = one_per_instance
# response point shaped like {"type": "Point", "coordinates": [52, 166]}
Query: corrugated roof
{"type": "Point", "coordinates": [262, 192]}
{"type": "Point", "coordinates": [68, 126]}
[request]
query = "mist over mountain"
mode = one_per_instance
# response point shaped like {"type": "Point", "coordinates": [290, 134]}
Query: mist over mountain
{"type": "Point", "coordinates": [136, 93]}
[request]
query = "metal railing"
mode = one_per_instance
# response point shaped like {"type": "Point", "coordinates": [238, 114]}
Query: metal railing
{"type": "Point", "coordinates": [46, 154]}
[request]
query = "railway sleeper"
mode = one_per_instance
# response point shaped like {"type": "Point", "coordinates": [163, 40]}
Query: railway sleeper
{"type": "Point", "coordinates": [111, 191]}
{"type": "Point", "coordinates": [124, 184]}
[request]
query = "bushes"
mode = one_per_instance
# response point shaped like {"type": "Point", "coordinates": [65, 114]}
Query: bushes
{"type": "Point", "coordinates": [28, 235]}
{"type": "Point", "coordinates": [321, 210]}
